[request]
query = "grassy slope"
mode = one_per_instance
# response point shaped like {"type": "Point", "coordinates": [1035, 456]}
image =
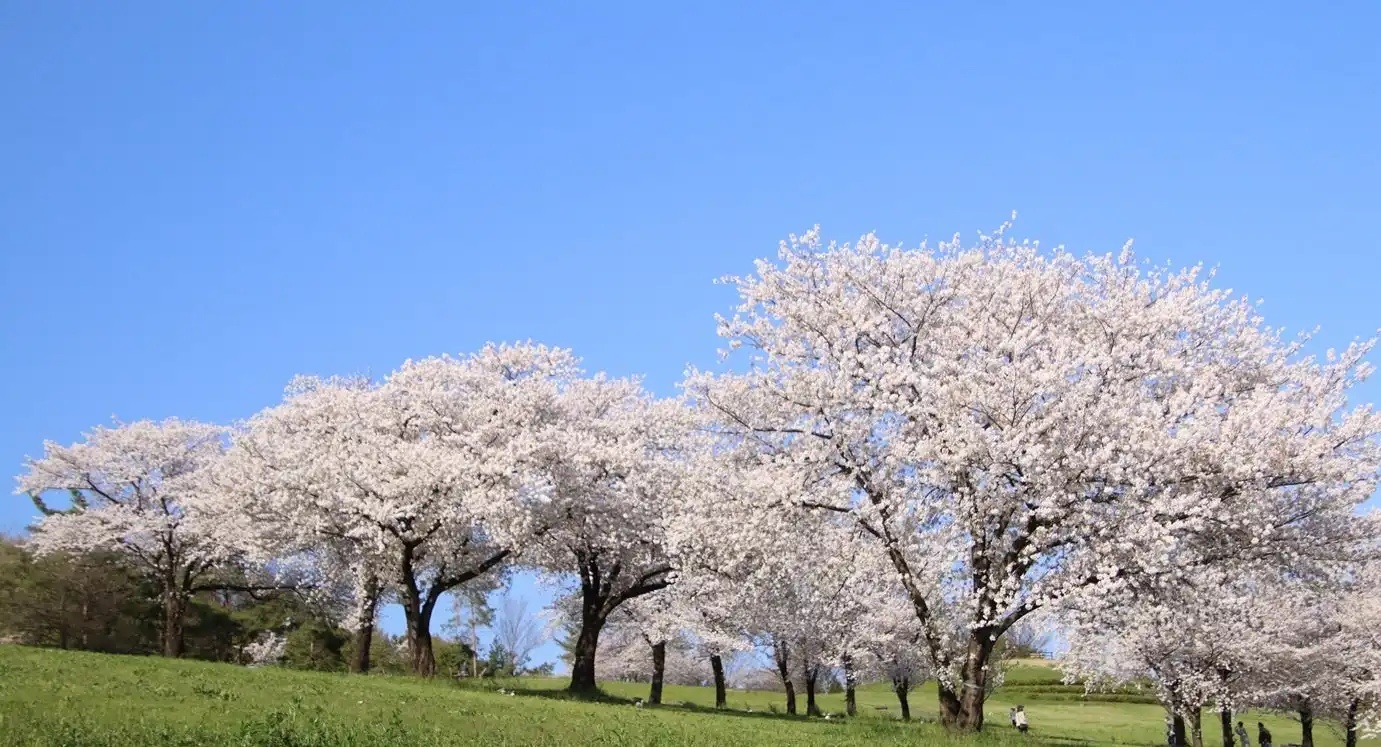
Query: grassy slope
{"type": "Point", "coordinates": [54, 698]}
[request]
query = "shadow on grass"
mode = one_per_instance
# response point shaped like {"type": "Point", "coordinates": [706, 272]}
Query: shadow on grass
{"type": "Point", "coordinates": [878, 725]}
{"type": "Point", "coordinates": [871, 724]}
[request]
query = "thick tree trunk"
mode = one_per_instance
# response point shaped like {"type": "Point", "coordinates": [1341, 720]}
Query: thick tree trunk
{"type": "Point", "coordinates": [850, 684]}
{"type": "Point", "coordinates": [364, 641]}
{"type": "Point", "coordinates": [1350, 722]}
{"type": "Point", "coordinates": [1306, 723]}
{"type": "Point", "coordinates": [659, 670]}
{"type": "Point", "coordinates": [902, 688]}
{"type": "Point", "coordinates": [963, 710]}
{"type": "Point", "coordinates": [599, 599]}
{"type": "Point", "coordinates": [812, 678]}
{"type": "Point", "coordinates": [364, 627]}
{"type": "Point", "coordinates": [586, 645]}
{"type": "Point", "coordinates": [1179, 731]}
{"type": "Point", "coordinates": [781, 652]}
{"type": "Point", "coordinates": [417, 615]}
{"type": "Point", "coordinates": [949, 706]}
{"type": "Point", "coordinates": [420, 645]}
{"type": "Point", "coordinates": [1225, 718]}
{"type": "Point", "coordinates": [174, 616]}
{"type": "Point", "coordinates": [1196, 727]}
{"type": "Point", "coordinates": [720, 695]}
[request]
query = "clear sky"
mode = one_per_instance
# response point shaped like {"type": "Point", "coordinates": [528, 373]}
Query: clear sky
{"type": "Point", "coordinates": [200, 200]}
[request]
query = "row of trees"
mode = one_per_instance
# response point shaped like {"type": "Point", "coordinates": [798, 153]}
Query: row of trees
{"type": "Point", "coordinates": [1226, 643]}
{"type": "Point", "coordinates": [919, 450]}
{"type": "Point", "coordinates": [96, 601]}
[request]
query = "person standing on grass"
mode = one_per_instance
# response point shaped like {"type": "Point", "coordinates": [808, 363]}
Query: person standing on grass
{"type": "Point", "coordinates": [1012, 716]}
{"type": "Point", "coordinates": [1263, 735]}
{"type": "Point", "coordinates": [1241, 731]}
{"type": "Point", "coordinates": [1020, 719]}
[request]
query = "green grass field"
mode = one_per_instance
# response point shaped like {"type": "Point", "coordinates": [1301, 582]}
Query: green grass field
{"type": "Point", "coordinates": [58, 698]}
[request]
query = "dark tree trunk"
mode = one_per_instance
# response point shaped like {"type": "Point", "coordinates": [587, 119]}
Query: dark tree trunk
{"type": "Point", "coordinates": [1350, 723]}
{"type": "Point", "coordinates": [364, 630]}
{"type": "Point", "coordinates": [1179, 731]}
{"type": "Point", "coordinates": [717, 666]}
{"type": "Point", "coordinates": [949, 706]}
{"type": "Point", "coordinates": [586, 646]}
{"type": "Point", "coordinates": [850, 683]}
{"type": "Point", "coordinates": [781, 652]}
{"type": "Point", "coordinates": [364, 641]}
{"type": "Point", "coordinates": [418, 613]}
{"type": "Point", "coordinates": [599, 599]}
{"type": "Point", "coordinates": [1225, 718]}
{"type": "Point", "coordinates": [419, 604]}
{"type": "Point", "coordinates": [174, 617]}
{"type": "Point", "coordinates": [902, 688]}
{"type": "Point", "coordinates": [812, 678]}
{"type": "Point", "coordinates": [1306, 723]}
{"type": "Point", "coordinates": [420, 644]}
{"type": "Point", "coordinates": [417, 618]}
{"type": "Point", "coordinates": [659, 670]}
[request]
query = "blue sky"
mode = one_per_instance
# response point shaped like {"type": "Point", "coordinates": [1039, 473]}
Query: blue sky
{"type": "Point", "coordinates": [202, 200]}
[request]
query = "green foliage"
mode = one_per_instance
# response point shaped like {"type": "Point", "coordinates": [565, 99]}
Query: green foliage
{"type": "Point", "coordinates": [544, 670]}
{"type": "Point", "coordinates": [452, 657]}
{"type": "Point", "coordinates": [499, 663]}
{"type": "Point", "coordinates": [94, 602]}
{"type": "Point", "coordinates": [89, 601]}
{"type": "Point", "coordinates": [316, 647]}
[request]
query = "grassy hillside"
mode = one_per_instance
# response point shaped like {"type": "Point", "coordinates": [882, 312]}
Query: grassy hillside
{"type": "Point", "coordinates": [52, 698]}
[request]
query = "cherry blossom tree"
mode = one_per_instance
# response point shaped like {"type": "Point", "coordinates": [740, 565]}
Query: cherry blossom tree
{"type": "Point", "coordinates": [1322, 653]}
{"type": "Point", "coordinates": [419, 480]}
{"type": "Point", "coordinates": [711, 609]}
{"type": "Point", "coordinates": [1014, 426]}
{"type": "Point", "coordinates": [891, 651]}
{"type": "Point", "coordinates": [801, 584]}
{"type": "Point", "coordinates": [1203, 641]}
{"type": "Point", "coordinates": [644, 640]}
{"type": "Point", "coordinates": [1358, 645]}
{"type": "Point", "coordinates": [266, 650]}
{"type": "Point", "coordinates": [141, 489]}
{"type": "Point", "coordinates": [610, 476]}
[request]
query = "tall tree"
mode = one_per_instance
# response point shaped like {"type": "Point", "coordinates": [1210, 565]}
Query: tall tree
{"type": "Point", "coordinates": [142, 490]}
{"type": "Point", "coordinates": [1013, 426]}
{"type": "Point", "coordinates": [417, 481]}
{"type": "Point", "coordinates": [519, 630]}
{"type": "Point", "coordinates": [611, 477]}
{"type": "Point", "coordinates": [470, 611]}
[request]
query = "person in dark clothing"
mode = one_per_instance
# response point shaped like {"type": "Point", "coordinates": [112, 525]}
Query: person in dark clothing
{"type": "Point", "coordinates": [1263, 735]}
